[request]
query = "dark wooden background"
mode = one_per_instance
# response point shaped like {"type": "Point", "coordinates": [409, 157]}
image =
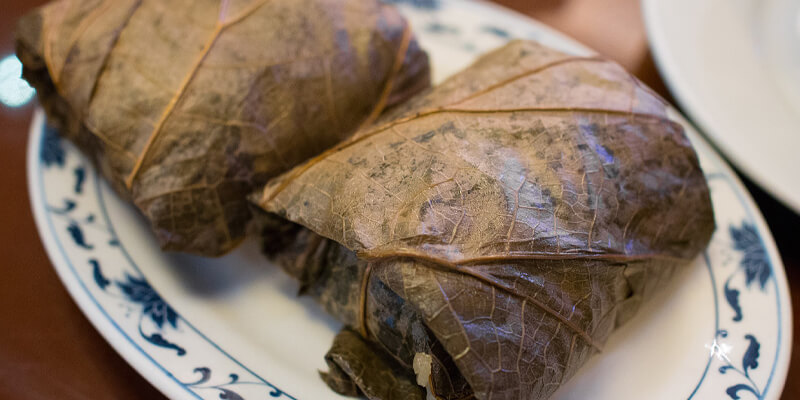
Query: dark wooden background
{"type": "Point", "coordinates": [49, 350]}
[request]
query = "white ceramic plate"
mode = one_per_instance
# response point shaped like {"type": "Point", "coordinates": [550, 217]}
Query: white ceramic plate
{"type": "Point", "coordinates": [209, 329]}
{"type": "Point", "coordinates": [734, 66]}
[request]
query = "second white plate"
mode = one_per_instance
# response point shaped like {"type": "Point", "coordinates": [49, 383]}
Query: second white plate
{"type": "Point", "coordinates": [734, 67]}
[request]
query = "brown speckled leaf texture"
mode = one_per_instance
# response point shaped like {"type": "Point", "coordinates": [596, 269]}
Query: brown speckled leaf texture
{"type": "Point", "coordinates": [504, 223]}
{"type": "Point", "coordinates": [188, 106]}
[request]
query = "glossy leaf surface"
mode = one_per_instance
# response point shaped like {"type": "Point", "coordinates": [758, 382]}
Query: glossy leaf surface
{"type": "Point", "coordinates": [188, 106]}
{"type": "Point", "coordinates": [521, 211]}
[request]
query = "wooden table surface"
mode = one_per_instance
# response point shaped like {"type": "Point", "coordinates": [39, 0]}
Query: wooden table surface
{"type": "Point", "coordinates": [49, 350]}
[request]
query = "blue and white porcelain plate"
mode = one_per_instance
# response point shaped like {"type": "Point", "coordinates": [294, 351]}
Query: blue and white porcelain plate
{"type": "Point", "coordinates": [234, 328]}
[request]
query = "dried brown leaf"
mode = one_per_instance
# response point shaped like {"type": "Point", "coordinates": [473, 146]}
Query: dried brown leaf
{"type": "Point", "coordinates": [188, 106]}
{"type": "Point", "coordinates": [522, 210]}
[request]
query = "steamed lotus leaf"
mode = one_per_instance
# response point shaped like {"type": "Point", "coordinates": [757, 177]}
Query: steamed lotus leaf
{"type": "Point", "coordinates": [188, 106]}
{"type": "Point", "coordinates": [487, 237]}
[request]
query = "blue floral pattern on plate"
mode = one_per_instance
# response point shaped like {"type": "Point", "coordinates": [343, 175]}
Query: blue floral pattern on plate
{"type": "Point", "coordinates": [742, 260]}
{"type": "Point", "coordinates": [755, 266]}
{"type": "Point", "coordinates": [156, 323]}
